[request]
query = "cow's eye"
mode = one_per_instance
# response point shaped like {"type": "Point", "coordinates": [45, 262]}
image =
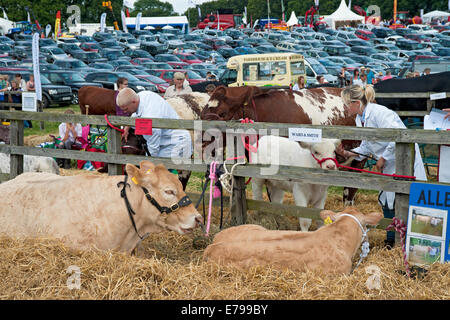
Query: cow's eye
{"type": "Point", "coordinates": [170, 192]}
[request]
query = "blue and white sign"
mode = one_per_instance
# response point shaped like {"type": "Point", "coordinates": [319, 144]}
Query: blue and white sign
{"type": "Point", "coordinates": [428, 233]}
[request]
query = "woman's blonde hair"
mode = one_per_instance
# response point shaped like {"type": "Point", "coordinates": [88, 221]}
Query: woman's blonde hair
{"type": "Point", "coordinates": [355, 92]}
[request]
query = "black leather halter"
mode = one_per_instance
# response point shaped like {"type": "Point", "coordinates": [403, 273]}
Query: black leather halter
{"type": "Point", "coordinates": [184, 202]}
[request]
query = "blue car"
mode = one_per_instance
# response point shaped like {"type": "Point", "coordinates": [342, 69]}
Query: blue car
{"type": "Point", "coordinates": [245, 50]}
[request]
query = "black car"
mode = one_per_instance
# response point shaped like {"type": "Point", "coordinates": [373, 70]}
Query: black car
{"type": "Point", "coordinates": [72, 64]}
{"type": "Point", "coordinates": [109, 79]}
{"type": "Point", "coordinates": [113, 54]}
{"type": "Point", "coordinates": [154, 47]}
{"type": "Point", "coordinates": [367, 51]}
{"type": "Point", "coordinates": [138, 54]}
{"type": "Point", "coordinates": [88, 57]}
{"type": "Point", "coordinates": [382, 32]}
{"type": "Point", "coordinates": [227, 52]}
{"type": "Point", "coordinates": [51, 94]}
{"type": "Point", "coordinates": [70, 48]}
{"type": "Point", "coordinates": [73, 79]}
{"type": "Point", "coordinates": [100, 36]}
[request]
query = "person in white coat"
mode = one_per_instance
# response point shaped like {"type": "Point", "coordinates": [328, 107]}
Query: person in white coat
{"type": "Point", "coordinates": [165, 143]}
{"type": "Point", "coordinates": [359, 100]}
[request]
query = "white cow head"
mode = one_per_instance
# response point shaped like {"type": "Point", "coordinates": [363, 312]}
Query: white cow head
{"type": "Point", "coordinates": [323, 152]}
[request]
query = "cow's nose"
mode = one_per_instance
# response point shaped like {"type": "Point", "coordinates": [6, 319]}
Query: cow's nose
{"type": "Point", "coordinates": [199, 219]}
{"type": "Point", "coordinates": [331, 166]}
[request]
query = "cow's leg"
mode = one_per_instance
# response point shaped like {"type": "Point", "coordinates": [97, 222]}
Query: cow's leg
{"type": "Point", "coordinates": [276, 194]}
{"type": "Point", "coordinates": [257, 188]}
{"type": "Point", "coordinates": [301, 200]}
{"type": "Point", "coordinates": [319, 203]}
{"type": "Point", "coordinates": [184, 176]}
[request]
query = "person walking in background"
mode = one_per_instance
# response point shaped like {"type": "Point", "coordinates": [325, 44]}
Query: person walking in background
{"type": "Point", "coordinates": [4, 84]}
{"type": "Point", "coordinates": [356, 79]}
{"type": "Point", "coordinates": [342, 79]}
{"type": "Point", "coordinates": [359, 100]}
{"type": "Point", "coordinates": [21, 81]}
{"type": "Point", "coordinates": [387, 76]}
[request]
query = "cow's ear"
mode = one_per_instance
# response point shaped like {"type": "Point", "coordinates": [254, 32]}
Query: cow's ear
{"type": "Point", "coordinates": [219, 93]}
{"type": "Point", "coordinates": [327, 214]}
{"type": "Point", "coordinates": [337, 142]}
{"type": "Point", "coordinates": [373, 218]}
{"type": "Point", "coordinates": [134, 173]}
{"type": "Point", "coordinates": [305, 145]}
{"type": "Point", "coordinates": [146, 166]}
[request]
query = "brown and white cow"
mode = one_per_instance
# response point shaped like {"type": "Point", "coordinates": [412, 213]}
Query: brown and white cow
{"type": "Point", "coordinates": [329, 249]}
{"type": "Point", "coordinates": [88, 211]}
{"type": "Point", "coordinates": [317, 106]}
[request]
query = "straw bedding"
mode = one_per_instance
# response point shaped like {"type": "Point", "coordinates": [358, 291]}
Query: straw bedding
{"type": "Point", "coordinates": [168, 267]}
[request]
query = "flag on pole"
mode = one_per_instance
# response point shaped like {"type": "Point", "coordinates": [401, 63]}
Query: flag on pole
{"type": "Point", "coordinates": [5, 16]}
{"type": "Point", "coordinates": [124, 22]}
{"type": "Point", "coordinates": [282, 11]}
{"type": "Point", "coordinates": [138, 21]}
{"type": "Point", "coordinates": [244, 16]}
{"type": "Point", "coordinates": [103, 22]}
{"type": "Point", "coordinates": [218, 21]}
{"type": "Point", "coordinates": [28, 17]}
{"type": "Point", "coordinates": [200, 13]}
{"type": "Point", "coordinates": [58, 25]}
{"type": "Point", "coordinates": [36, 72]}
{"type": "Point", "coordinates": [350, 4]}
{"type": "Point", "coordinates": [48, 29]}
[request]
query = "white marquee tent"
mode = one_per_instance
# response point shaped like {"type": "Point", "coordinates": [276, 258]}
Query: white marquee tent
{"type": "Point", "coordinates": [436, 14]}
{"type": "Point", "coordinates": [292, 20]}
{"type": "Point", "coordinates": [343, 16]}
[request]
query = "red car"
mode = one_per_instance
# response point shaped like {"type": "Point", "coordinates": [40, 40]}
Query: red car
{"type": "Point", "coordinates": [364, 34]}
{"type": "Point", "coordinates": [90, 46]}
{"type": "Point", "coordinates": [167, 75]}
{"type": "Point", "coordinates": [188, 58]}
{"type": "Point", "coordinates": [158, 82]}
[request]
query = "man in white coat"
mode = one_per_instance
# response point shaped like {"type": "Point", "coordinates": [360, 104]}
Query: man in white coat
{"type": "Point", "coordinates": [358, 100]}
{"type": "Point", "coordinates": [165, 143]}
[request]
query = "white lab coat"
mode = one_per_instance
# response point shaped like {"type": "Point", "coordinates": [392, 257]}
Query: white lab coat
{"type": "Point", "coordinates": [165, 143]}
{"type": "Point", "coordinates": [378, 116]}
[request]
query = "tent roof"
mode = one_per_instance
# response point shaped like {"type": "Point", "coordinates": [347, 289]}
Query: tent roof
{"type": "Point", "coordinates": [344, 13]}
{"type": "Point", "coordinates": [292, 20]}
{"type": "Point", "coordinates": [436, 13]}
{"type": "Point", "coordinates": [158, 21]}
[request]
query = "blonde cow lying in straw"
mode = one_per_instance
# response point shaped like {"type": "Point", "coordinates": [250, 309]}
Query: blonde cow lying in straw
{"type": "Point", "coordinates": [88, 211]}
{"type": "Point", "coordinates": [282, 151]}
{"type": "Point", "coordinates": [329, 249]}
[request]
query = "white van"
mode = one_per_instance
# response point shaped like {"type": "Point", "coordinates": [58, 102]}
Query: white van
{"type": "Point", "coordinates": [313, 68]}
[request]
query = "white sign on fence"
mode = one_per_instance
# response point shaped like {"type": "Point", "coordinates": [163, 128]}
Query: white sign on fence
{"type": "Point", "coordinates": [437, 96]}
{"type": "Point", "coordinates": [305, 134]}
{"type": "Point", "coordinates": [29, 102]}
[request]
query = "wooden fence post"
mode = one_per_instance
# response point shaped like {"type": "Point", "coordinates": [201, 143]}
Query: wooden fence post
{"type": "Point", "coordinates": [16, 139]}
{"type": "Point", "coordinates": [41, 109]}
{"type": "Point", "coordinates": [404, 165]}
{"type": "Point", "coordinates": [239, 202]}
{"type": "Point", "coordinates": [114, 147]}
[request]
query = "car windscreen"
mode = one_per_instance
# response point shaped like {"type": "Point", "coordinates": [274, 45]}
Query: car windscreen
{"type": "Point", "coordinates": [72, 76]}
{"type": "Point", "coordinates": [127, 75]}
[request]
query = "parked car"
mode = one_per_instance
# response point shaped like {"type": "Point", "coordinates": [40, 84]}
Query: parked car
{"type": "Point", "coordinates": [72, 64]}
{"type": "Point", "coordinates": [422, 28]}
{"type": "Point", "coordinates": [101, 66]}
{"type": "Point", "coordinates": [113, 54]}
{"type": "Point", "coordinates": [108, 79]}
{"type": "Point", "coordinates": [154, 47]}
{"type": "Point", "coordinates": [171, 59]}
{"type": "Point", "coordinates": [90, 46]}
{"type": "Point", "coordinates": [88, 57]}
{"type": "Point", "coordinates": [266, 49]}
{"type": "Point", "coordinates": [245, 50]}
{"type": "Point", "coordinates": [69, 48]}
{"type": "Point", "coordinates": [364, 34]}
{"type": "Point", "coordinates": [53, 53]}
{"type": "Point", "coordinates": [381, 32]}
{"type": "Point", "coordinates": [367, 51]}
{"type": "Point", "coordinates": [167, 75]}
{"type": "Point", "coordinates": [8, 63]}
{"type": "Point", "coordinates": [157, 65]}
{"type": "Point", "coordinates": [129, 43]}
{"type": "Point", "coordinates": [73, 79]}
{"type": "Point", "coordinates": [138, 54]}
{"type": "Point", "coordinates": [52, 95]}
{"type": "Point", "coordinates": [145, 76]}
{"type": "Point", "coordinates": [100, 36]}
{"type": "Point", "coordinates": [188, 58]}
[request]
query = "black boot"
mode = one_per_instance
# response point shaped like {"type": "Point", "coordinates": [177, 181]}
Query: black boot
{"type": "Point", "coordinates": [389, 244]}
{"type": "Point", "coordinates": [67, 164]}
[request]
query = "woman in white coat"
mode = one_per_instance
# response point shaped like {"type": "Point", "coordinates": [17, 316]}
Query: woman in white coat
{"type": "Point", "coordinates": [359, 100]}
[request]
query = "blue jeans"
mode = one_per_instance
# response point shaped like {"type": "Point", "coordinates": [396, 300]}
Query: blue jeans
{"type": "Point", "coordinates": [388, 213]}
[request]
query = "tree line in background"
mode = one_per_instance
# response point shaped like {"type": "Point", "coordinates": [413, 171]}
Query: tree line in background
{"type": "Point", "coordinates": [45, 10]}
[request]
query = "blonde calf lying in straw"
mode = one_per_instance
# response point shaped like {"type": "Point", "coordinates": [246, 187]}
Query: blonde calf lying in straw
{"type": "Point", "coordinates": [30, 164]}
{"type": "Point", "coordinates": [330, 248]}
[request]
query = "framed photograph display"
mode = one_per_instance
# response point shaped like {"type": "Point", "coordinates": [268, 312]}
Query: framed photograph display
{"type": "Point", "coordinates": [29, 101]}
{"type": "Point", "coordinates": [428, 236]}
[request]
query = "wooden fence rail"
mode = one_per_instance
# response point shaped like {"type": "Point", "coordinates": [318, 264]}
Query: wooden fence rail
{"type": "Point", "coordinates": [404, 139]}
